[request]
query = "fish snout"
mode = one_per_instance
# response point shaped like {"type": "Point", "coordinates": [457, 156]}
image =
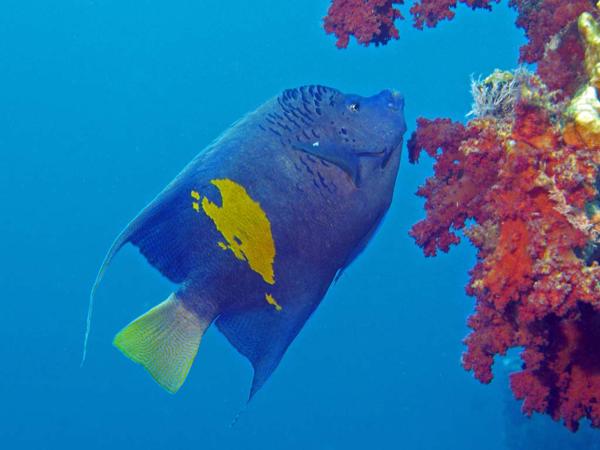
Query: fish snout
{"type": "Point", "coordinates": [392, 99]}
{"type": "Point", "coordinates": [391, 102]}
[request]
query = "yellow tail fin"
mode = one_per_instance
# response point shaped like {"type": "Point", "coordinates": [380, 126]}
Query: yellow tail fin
{"type": "Point", "coordinates": [165, 341]}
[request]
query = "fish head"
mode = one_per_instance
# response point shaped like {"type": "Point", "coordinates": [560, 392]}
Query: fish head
{"type": "Point", "coordinates": [362, 136]}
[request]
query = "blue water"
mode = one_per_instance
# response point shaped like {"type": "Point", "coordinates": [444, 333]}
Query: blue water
{"type": "Point", "coordinates": [102, 102]}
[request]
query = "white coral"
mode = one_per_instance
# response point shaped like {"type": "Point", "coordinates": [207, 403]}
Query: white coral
{"type": "Point", "coordinates": [496, 95]}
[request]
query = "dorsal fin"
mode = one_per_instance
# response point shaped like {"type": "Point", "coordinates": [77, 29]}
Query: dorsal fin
{"type": "Point", "coordinates": [163, 232]}
{"type": "Point", "coordinates": [114, 249]}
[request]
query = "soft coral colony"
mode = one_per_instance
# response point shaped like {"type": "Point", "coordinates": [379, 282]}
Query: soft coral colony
{"type": "Point", "coordinates": [372, 21]}
{"type": "Point", "coordinates": [521, 181]}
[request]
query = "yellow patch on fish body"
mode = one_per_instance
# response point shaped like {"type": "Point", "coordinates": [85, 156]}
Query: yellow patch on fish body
{"type": "Point", "coordinates": [244, 226]}
{"type": "Point", "coordinates": [196, 205]}
{"type": "Point", "coordinates": [271, 301]}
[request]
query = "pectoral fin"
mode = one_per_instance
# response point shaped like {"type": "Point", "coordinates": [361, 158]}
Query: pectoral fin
{"type": "Point", "coordinates": [164, 341]}
{"type": "Point", "coordinates": [337, 155]}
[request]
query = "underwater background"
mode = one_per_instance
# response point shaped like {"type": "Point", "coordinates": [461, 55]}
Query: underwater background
{"type": "Point", "coordinates": [101, 104]}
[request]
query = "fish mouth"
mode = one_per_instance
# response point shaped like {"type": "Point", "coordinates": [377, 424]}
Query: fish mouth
{"type": "Point", "coordinates": [372, 154]}
{"type": "Point", "coordinates": [385, 154]}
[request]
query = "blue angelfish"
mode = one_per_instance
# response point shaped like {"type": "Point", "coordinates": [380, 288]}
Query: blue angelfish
{"type": "Point", "coordinates": [257, 227]}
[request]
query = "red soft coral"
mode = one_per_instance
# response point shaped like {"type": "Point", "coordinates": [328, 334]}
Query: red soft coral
{"type": "Point", "coordinates": [372, 21]}
{"type": "Point", "coordinates": [525, 179]}
{"type": "Point", "coordinates": [430, 12]}
{"type": "Point", "coordinates": [369, 21]}
{"type": "Point", "coordinates": [544, 19]}
{"type": "Point", "coordinates": [525, 190]}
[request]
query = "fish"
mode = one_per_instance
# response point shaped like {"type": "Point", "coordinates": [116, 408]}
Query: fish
{"type": "Point", "coordinates": [258, 226]}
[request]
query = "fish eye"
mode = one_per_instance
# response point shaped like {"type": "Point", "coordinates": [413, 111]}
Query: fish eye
{"type": "Point", "coordinates": [354, 107]}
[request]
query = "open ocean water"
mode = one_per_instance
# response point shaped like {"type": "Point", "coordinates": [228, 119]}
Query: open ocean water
{"type": "Point", "coordinates": [101, 105]}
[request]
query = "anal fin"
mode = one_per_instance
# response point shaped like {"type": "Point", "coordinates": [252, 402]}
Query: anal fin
{"type": "Point", "coordinates": [164, 341]}
{"type": "Point", "coordinates": [263, 335]}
